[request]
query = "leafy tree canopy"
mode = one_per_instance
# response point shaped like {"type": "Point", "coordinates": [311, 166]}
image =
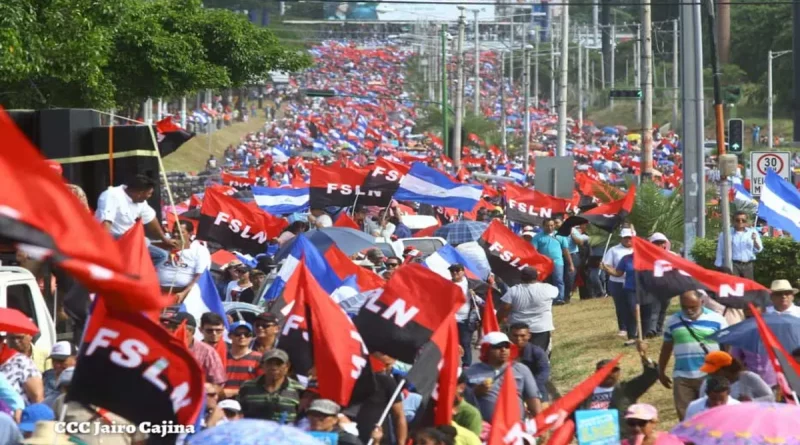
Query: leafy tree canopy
{"type": "Point", "coordinates": [96, 53]}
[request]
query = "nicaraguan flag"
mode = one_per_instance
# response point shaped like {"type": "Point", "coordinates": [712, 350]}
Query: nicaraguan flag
{"type": "Point", "coordinates": [280, 201]}
{"type": "Point", "coordinates": [316, 263]}
{"type": "Point", "coordinates": [204, 298]}
{"type": "Point", "coordinates": [739, 193]}
{"type": "Point", "coordinates": [516, 173]}
{"type": "Point", "coordinates": [445, 257]}
{"type": "Point", "coordinates": [426, 185]}
{"type": "Point", "coordinates": [780, 204]}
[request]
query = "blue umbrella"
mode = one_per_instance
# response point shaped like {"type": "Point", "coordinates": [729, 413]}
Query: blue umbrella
{"type": "Point", "coordinates": [745, 334]}
{"type": "Point", "coordinates": [610, 130]}
{"type": "Point", "coordinates": [252, 432]}
{"type": "Point", "coordinates": [461, 232]}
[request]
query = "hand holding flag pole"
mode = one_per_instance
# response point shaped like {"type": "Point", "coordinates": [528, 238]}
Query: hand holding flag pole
{"type": "Point", "coordinates": [385, 413]}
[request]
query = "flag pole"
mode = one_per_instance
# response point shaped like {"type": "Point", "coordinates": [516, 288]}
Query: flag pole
{"type": "Point", "coordinates": [389, 405]}
{"type": "Point", "coordinates": [608, 242]}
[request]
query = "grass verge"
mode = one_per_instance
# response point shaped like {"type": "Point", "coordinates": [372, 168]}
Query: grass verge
{"type": "Point", "coordinates": [192, 156]}
{"type": "Point", "coordinates": [586, 332]}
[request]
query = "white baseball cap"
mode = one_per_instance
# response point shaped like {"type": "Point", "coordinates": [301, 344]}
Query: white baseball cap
{"type": "Point", "coordinates": [62, 349]}
{"type": "Point", "coordinates": [626, 233]}
{"type": "Point", "coordinates": [495, 338]}
{"type": "Point", "coordinates": [230, 404]}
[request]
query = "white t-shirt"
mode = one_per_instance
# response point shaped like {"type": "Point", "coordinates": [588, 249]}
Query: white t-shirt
{"type": "Point", "coordinates": [532, 304]}
{"type": "Point", "coordinates": [180, 268]}
{"type": "Point", "coordinates": [324, 220]}
{"type": "Point", "coordinates": [116, 206]}
{"type": "Point", "coordinates": [793, 310]}
{"type": "Point", "coordinates": [698, 406]}
{"type": "Point", "coordinates": [463, 312]}
{"type": "Point", "coordinates": [234, 289]}
{"type": "Point", "coordinates": [612, 258]}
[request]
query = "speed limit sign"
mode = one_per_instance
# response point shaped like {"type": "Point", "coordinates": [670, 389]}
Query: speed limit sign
{"type": "Point", "coordinates": [763, 161]}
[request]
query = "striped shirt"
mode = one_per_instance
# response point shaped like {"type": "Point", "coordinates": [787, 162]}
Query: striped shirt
{"type": "Point", "coordinates": [689, 355]}
{"type": "Point", "coordinates": [279, 406]}
{"type": "Point", "coordinates": [242, 369]}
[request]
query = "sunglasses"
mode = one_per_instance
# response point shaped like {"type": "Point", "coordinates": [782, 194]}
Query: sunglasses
{"type": "Point", "coordinates": [242, 334]}
{"type": "Point", "coordinates": [265, 325]}
{"type": "Point", "coordinates": [501, 346]}
{"type": "Point", "coordinates": [637, 422]}
{"type": "Point", "coordinates": [744, 220]}
{"type": "Point", "coordinates": [391, 265]}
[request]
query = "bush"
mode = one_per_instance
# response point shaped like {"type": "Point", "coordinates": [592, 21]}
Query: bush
{"type": "Point", "coordinates": [780, 259]}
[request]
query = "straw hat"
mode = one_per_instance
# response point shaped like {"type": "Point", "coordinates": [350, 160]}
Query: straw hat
{"type": "Point", "coordinates": [45, 434]}
{"type": "Point", "coordinates": [782, 286]}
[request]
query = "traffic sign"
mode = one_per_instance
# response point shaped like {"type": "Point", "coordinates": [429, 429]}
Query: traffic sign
{"type": "Point", "coordinates": [626, 94]}
{"type": "Point", "coordinates": [736, 135]}
{"type": "Point", "coordinates": [763, 161]}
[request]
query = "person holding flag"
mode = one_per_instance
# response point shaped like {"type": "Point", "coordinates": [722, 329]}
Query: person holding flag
{"type": "Point", "coordinates": [745, 245]}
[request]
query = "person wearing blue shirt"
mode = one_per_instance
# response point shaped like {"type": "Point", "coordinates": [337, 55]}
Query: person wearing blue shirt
{"type": "Point", "coordinates": [556, 248]}
{"type": "Point", "coordinates": [625, 269]}
{"type": "Point", "coordinates": [532, 356]}
{"type": "Point", "coordinates": [575, 240]}
{"type": "Point", "coordinates": [745, 244]}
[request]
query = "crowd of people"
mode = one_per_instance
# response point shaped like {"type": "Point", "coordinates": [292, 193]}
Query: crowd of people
{"type": "Point", "coordinates": [248, 372]}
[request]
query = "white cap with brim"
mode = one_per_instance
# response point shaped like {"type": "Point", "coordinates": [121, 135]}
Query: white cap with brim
{"type": "Point", "coordinates": [230, 404]}
{"type": "Point", "coordinates": [530, 234]}
{"type": "Point", "coordinates": [626, 233]}
{"type": "Point", "coordinates": [495, 338]}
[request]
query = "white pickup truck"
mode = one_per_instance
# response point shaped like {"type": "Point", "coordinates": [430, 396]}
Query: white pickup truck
{"type": "Point", "coordinates": [19, 290]}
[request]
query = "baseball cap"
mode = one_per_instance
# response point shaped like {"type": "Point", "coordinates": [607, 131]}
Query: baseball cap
{"type": "Point", "coordinates": [62, 350]}
{"type": "Point", "coordinates": [656, 237]}
{"type": "Point", "coordinates": [268, 317]}
{"type": "Point", "coordinates": [456, 267]}
{"type": "Point", "coordinates": [241, 324]}
{"type": "Point", "coordinates": [529, 233]}
{"type": "Point", "coordinates": [279, 354]}
{"type": "Point", "coordinates": [66, 377]}
{"type": "Point", "coordinates": [626, 233]}
{"type": "Point", "coordinates": [527, 229]}
{"type": "Point", "coordinates": [324, 406]}
{"type": "Point", "coordinates": [529, 274]}
{"type": "Point", "coordinates": [641, 411]}
{"type": "Point", "coordinates": [179, 317]}
{"type": "Point", "coordinates": [35, 413]}
{"type": "Point", "coordinates": [603, 363]}
{"type": "Point", "coordinates": [233, 263]}
{"type": "Point", "coordinates": [715, 361]}
{"type": "Point", "coordinates": [230, 404]}
{"type": "Point", "coordinates": [495, 338]}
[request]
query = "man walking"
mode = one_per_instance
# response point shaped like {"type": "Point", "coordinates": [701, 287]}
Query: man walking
{"type": "Point", "coordinates": [556, 248]}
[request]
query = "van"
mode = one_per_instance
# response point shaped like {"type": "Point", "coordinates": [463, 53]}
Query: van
{"type": "Point", "coordinates": [19, 290]}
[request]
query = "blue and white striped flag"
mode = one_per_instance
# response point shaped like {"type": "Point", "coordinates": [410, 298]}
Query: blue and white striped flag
{"type": "Point", "coordinates": [780, 204]}
{"type": "Point", "coordinates": [280, 201]}
{"type": "Point", "coordinates": [427, 185]}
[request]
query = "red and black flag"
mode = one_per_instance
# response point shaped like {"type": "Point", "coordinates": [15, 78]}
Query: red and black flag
{"type": "Point", "coordinates": [531, 206]}
{"type": "Point", "coordinates": [607, 216]}
{"type": "Point", "coordinates": [318, 333]}
{"type": "Point", "coordinates": [401, 319]}
{"type": "Point", "coordinates": [133, 367]}
{"type": "Point", "coordinates": [786, 368]}
{"type": "Point", "coordinates": [170, 136]}
{"type": "Point", "coordinates": [385, 178]}
{"type": "Point", "coordinates": [665, 275]}
{"type": "Point", "coordinates": [508, 254]}
{"type": "Point", "coordinates": [236, 225]}
{"type": "Point", "coordinates": [435, 375]}
{"type": "Point", "coordinates": [238, 182]}
{"type": "Point", "coordinates": [507, 426]}
{"type": "Point", "coordinates": [44, 217]}
{"type": "Point", "coordinates": [558, 413]}
{"type": "Point", "coordinates": [333, 186]}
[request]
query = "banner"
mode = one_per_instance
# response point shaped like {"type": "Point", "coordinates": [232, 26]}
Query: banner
{"type": "Point", "coordinates": [508, 254]}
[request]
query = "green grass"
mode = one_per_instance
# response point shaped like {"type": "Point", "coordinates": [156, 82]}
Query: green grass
{"type": "Point", "coordinates": [586, 332]}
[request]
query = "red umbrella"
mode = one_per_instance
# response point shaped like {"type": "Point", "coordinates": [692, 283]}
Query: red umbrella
{"type": "Point", "coordinates": [15, 322]}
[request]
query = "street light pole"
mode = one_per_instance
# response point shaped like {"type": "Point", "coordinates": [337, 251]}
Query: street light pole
{"type": "Point", "coordinates": [503, 100]}
{"type": "Point", "coordinates": [477, 102]}
{"type": "Point", "coordinates": [561, 146]}
{"type": "Point", "coordinates": [445, 129]}
{"type": "Point", "coordinates": [459, 106]}
{"type": "Point", "coordinates": [770, 57]}
{"type": "Point", "coordinates": [580, 85]}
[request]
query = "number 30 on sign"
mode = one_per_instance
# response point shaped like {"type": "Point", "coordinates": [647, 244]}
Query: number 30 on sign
{"type": "Point", "coordinates": [763, 161]}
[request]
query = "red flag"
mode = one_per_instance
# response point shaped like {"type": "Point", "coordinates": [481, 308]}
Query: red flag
{"type": "Point", "coordinates": [607, 216]}
{"type": "Point", "coordinates": [367, 280]}
{"type": "Point", "coordinates": [489, 318]}
{"type": "Point", "coordinates": [564, 434]}
{"type": "Point", "coordinates": [508, 254]}
{"type": "Point", "coordinates": [786, 369]}
{"type": "Point", "coordinates": [37, 209]}
{"type": "Point", "coordinates": [167, 125]}
{"type": "Point", "coordinates": [555, 415]}
{"type": "Point", "coordinates": [181, 333]}
{"type": "Point", "coordinates": [139, 264]}
{"type": "Point", "coordinates": [448, 373]}
{"type": "Point", "coordinates": [507, 420]}
{"type": "Point", "coordinates": [530, 206]}
{"type": "Point", "coordinates": [238, 182]}
{"type": "Point", "coordinates": [344, 220]}
{"type": "Point", "coordinates": [132, 366]}
{"type": "Point", "coordinates": [222, 352]}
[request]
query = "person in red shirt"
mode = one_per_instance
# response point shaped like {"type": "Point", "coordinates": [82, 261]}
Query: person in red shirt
{"type": "Point", "coordinates": [243, 363]}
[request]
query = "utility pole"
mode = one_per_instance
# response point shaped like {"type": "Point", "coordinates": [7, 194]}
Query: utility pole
{"type": "Point", "coordinates": [552, 69]}
{"type": "Point", "coordinates": [511, 59]}
{"type": "Point", "coordinates": [477, 102]}
{"type": "Point", "coordinates": [770, 96]}
{"type": "Point", "coordinates": [647, 61]}
{"type": "Point", "coordinates": [561, 147]}
{"type": "Point", "coordinates": [536, 45]}
{"type": "Point", "coordinates": [613, 60]}
{"type": "Point", "coordinates": [675, 92]}
{"type": "Point", "coordinates": [692, 125]}
{"type": "Point", "coordinates": [580, 85]}
{"type": "Point", "coordinates": [526, 82]}
{"type": "Point", "coordinates": [637, 69]}
{"type": "Point", "coordinates": [503, 100]}
{"type": "Point", "coordinates": [459, 106]}
{"type": "Point", "coordinates": [445, 129]}
{"type": "Point", "coordinates": [595, 22]}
